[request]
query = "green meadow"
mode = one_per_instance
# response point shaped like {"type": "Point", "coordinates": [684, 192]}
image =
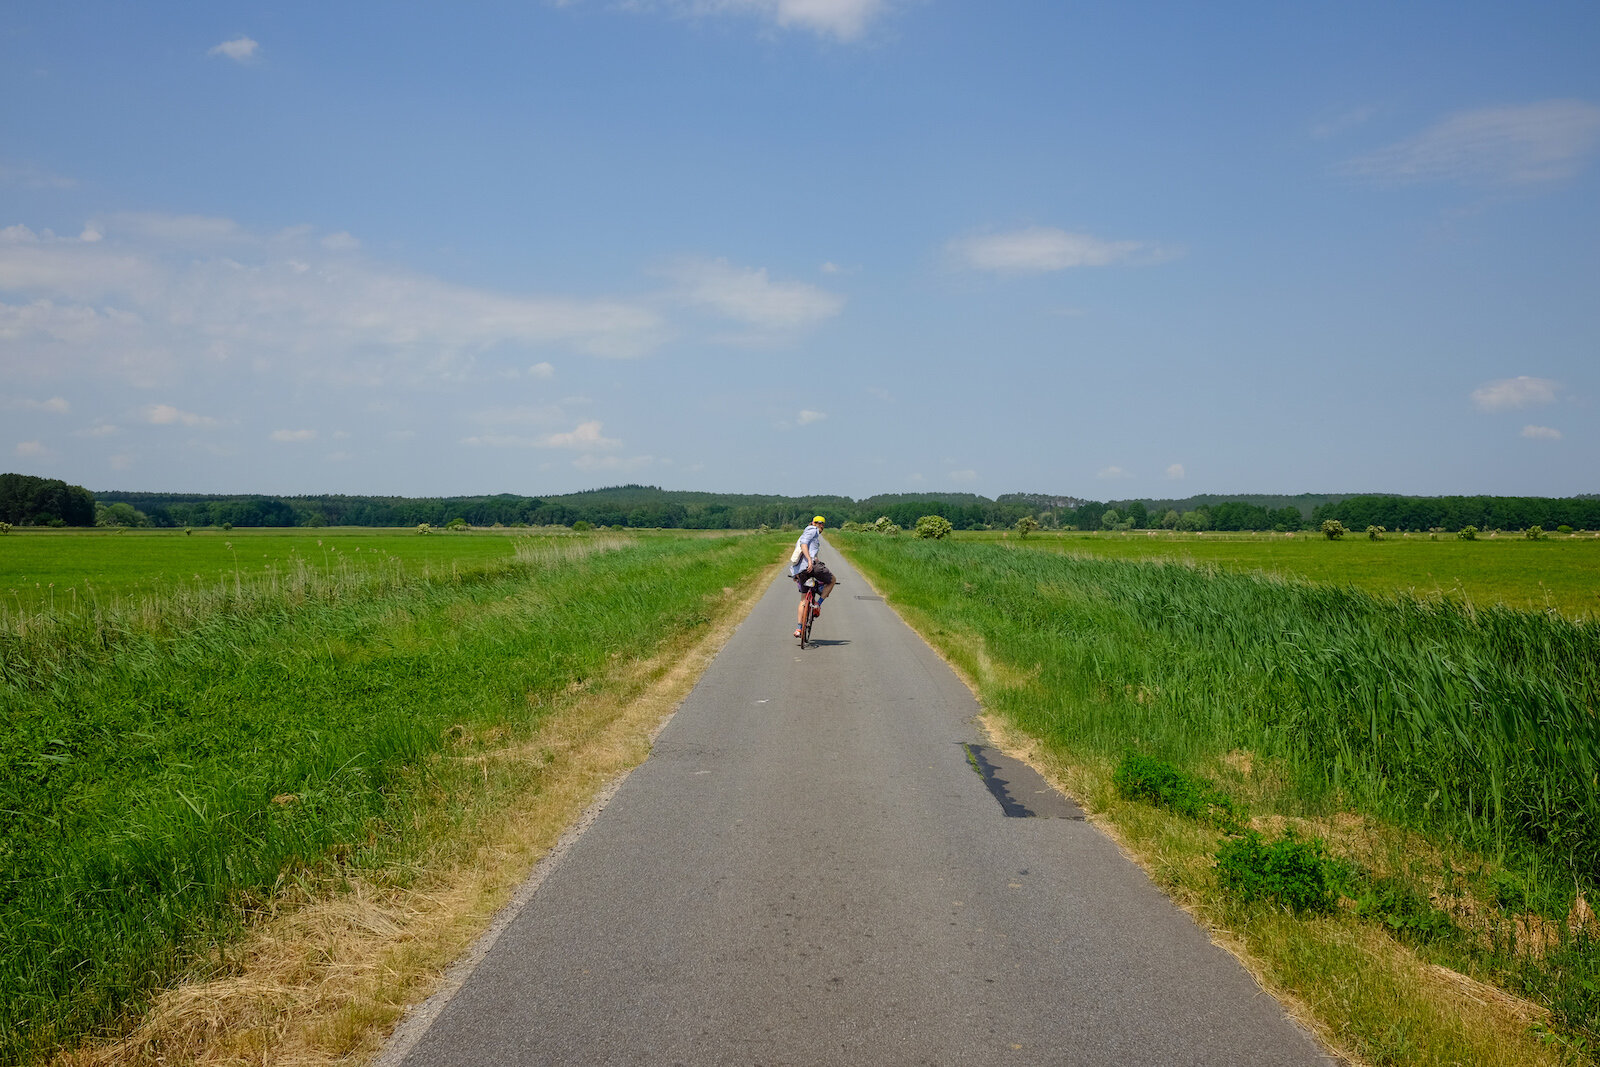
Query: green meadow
{"type": "Point", "coordinates": [63, 569]}
{"type": "Point", "coordinates": [1559, 572]}
{"type": "Point", "coordinates": [1450, 753]}
{"type": "Point", "coordinates": [182, 752]}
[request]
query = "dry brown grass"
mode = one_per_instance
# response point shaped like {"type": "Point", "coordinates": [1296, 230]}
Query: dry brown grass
{"type": "Point", "coordinates": [325, 978]}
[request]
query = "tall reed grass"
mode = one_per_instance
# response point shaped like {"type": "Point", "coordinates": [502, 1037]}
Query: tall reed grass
{"type": "Point", "coordinates": [172, 763]}
{"type": "Point", "coordinates": [1477, 725]}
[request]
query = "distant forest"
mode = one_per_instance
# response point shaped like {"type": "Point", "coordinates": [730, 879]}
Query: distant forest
{"type": "Point", "coordinates": [30, 501]}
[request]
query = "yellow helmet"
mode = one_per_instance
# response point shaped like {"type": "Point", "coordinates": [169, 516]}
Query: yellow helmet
{"type": "Point", "coordinates": [819, 518]}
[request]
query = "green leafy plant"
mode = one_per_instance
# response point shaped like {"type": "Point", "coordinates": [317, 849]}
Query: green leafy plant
{"type": "Point", "coordinates": [582, 526]}
{"type": "Point", "coordinates": [1288, 871]}
{"type": "Point", "coordinates": [1333, 529]}
{"type": "Point", "coordinates": [933, 528]}
{"type": "Point", "coordinates": [1468, 533]}
{"type": "Point", "coordinates": [1158, 782]}
{"type": "Point", "coordinates": [1375, 533]}
{"type": "Point", "coordinates": [1026, 525]}
{"type": "Point", "coordinates": [1408, 914]}
{"type": "Point", "coordinates": [1534, 533]}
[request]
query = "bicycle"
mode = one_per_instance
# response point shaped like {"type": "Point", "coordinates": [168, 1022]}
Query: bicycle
{"type": "Point", "coordinates": [811, 611]}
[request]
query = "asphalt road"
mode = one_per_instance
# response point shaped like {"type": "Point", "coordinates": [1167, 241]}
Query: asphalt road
{"type": "Point", "coordinates": [810, 869]}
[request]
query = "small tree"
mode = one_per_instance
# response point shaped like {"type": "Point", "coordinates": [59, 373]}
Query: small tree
{"type": "Point", "coordinates": [1468, 533]}
{"type": "Point", "coordinates": [1110, 519]}
{"type": "Point", "coordinates": [5, 527]}
{"type": "Point", "coordinates": [1375, 533]}
{"type": "Point", "coordinates": [424, 528]}
{"type": "Point", "coordinates": [1333, 529]}
{"type": "Point", "coordinates": [1534, 533]}
{"type": "Point", "coordinates": [457, 523]}
{"type": "Point", "coordinates": [933, 527]}
{"type": "Point", "coordinates": [582, 526]}
{"type": "Point", "coordinates": [1169, 521]}
{"type": "Point", "coordinates": [1026, 525]}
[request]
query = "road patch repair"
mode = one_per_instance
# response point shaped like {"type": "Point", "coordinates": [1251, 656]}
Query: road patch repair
{"type": "Point", "coordinates": [1022, 791]}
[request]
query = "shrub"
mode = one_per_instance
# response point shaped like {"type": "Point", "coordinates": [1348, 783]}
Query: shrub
{"type": "Point", "coordinates": [1375, 533]}
{"type": "Point", "coordinates": [1164, 785]}
{"type": "Point", "coordinates": [933, 527]}
{"type": "Point", "coordinates": [1534, 533]}
{"type": "Point", "coordinates": [5, 527]}
{"type": "Point", "coordinates": [456, 523]}
{"type": "Point", "coordinates": [1468, 533]}
{"type": "Point", "coordinates": [1563, 529]}
{"type": "Point", "coordinates": [1026, 525]}
{"type": "Point", "coordinates": [227, 527]}
{"type": "Point", "coordinates": [582, 526]}
{"type": "Point", "coordinates": [1409, 915]}
{"type": "Point", "coordinates": [1287, 871]}
{"type": "Point", "coordinates": [1333, 529]}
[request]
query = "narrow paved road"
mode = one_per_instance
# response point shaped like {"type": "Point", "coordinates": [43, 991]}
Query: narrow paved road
{"type": "Point", "coordinates": [808, 870]}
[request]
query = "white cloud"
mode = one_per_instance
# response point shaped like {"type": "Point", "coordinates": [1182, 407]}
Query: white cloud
{"type": "Point", "coordinates": [159, 293]}
{"type": "Point", "coordinates": [541, 370]}
{"type": "Point", "coordinates": [1531, 144]}
{"type": "Point", "coordinates": [844, 20]}
{"type": "Point", "coordinates": [101, 429]}
{"type": "Point", "coordinates": [748, 296]}
{"type": "Point", "coordinates": [167, 415]}
{"type": "Point", "coordinates": [807, 416]}
{"type": "Point", "coordinates": [340, 242]}
{"type": "Point", "coordinates": [293, 436]}
{"type": "Point", "coordinates": [964, 476]}
{"type": "Point", "coordinates": [31, 449]}
{"type": "Point", "coordinates": [1043, 248]}
{"type": "Point", "coordinates": [1175, 472]}
{"type": "Point", "coordinates": [585, 438]}
{"type": "Point", "coordinates": [54, 406]}
{"type": "Point", "coordinates": [240, 49]}
{"type": "Point", "coordinates": [1517, 392]}
{"type": "Point", "coordinates": [1109, 473]}
{"type": "Point", "coordinates": [1541, 433]}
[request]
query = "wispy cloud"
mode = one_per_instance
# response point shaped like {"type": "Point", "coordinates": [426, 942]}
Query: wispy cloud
{"type": "Point", "coordinates": [293, 436]}
{"type": "Point", "coordinates": [844, 20]}
{"type": "Point", "coordinates": [1531, 144]}
{"type": "Point", "coordinates": [1175, 472]}
{"type": "Point", "coordinates": [1111, 473]}
{"type": "Point", "coordinates": [240, 49]}
{"type": "Point", "coordinates": [1039, 249]}
{"type": "Point", "coordinates": [167, 415]}
{"type": "Point", "coordinates": [31, 450]}
{"type": "Point", "coordinates": [964, 476]}
{"type": "Point", "coordinates": [586, 438]}
{"type": "Point", "coordinates": [1509, 393]}
{"type": "Point", "coordinates": [807, 417]}
{"type": "Point", "coordinates": [27, 176]}
{"type": "Point", "coordinates": [748, 296]}
{"type": "Point", "coordinates": [158, 293]}
{"type": "Point", "coordinates": [1541, 433]}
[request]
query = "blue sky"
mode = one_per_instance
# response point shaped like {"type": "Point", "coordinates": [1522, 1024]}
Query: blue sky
{"type": "Point", "coordinates": [801, 246]}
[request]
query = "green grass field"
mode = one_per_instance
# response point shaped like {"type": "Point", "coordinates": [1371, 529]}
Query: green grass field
{"type": "Point", "coordinates": [172, 762]}
{"type": "Point", "coordinates": [67, 568]}
{"type": "Point", "coordinates": [1560, 573]}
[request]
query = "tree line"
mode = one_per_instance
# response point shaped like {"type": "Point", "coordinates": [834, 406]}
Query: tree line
{"type": "Point", "coordinates": [31, 501]}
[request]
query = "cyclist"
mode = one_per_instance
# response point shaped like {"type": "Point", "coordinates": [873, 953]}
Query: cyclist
{"type": "Point", "coordinates": [804, 564]}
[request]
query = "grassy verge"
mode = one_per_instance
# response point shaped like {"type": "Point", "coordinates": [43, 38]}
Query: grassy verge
{"type": "Point", "coordinates": [1443, 759]}
{"type": "Point", "coordinates": [172, 778]}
